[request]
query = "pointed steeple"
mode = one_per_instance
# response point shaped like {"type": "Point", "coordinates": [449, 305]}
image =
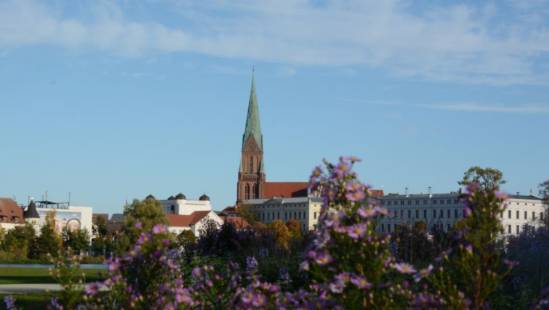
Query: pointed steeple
{"type": "Point", "coordinates": [253, 126]}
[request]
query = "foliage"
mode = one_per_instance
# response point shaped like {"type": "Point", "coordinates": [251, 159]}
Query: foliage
{"type": "Point", "coordinates": [48, 243]}
{"type": "Point", "coordinates": [345, 264]}
{"type": "Point", "coordinates": [488, 179]}
{"type": "Point", "coordinates": [530, 252]}
{"type": "Point", "coordinates": [76, 240]}
{"type": "Point", "coordinates": [138, 217]}
{"type": "Point", "coordinates": [544, 191]}
{"type": "Point", "coordinates": [18, 241]}
{"type": "Point", "coordinates": [472, 270]}
{"type": "Point", "coordinates": [67, 273]}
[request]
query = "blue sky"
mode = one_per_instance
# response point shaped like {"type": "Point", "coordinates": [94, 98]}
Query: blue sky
{"type": "Point", "coordinates": [113, 100]}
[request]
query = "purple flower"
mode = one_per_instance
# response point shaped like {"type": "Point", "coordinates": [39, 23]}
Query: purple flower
{"type": "Point", "coordinates": [357, 231]}
{"type": "Point", "coordinates": [355, 196]}
{"type": "Point", "coordinates": [247, 297]}
{"type": "Point", "coordinates": [323, 258]}
{"type": "Point", "coordinates": [92, 288]}
{"type": "Point", "coordinates": [138, 225]}
{"type": "Point", "coordinates": [114, 264]}
{"type": "Point", "coordinates": [55, 304]}
{"type": "Point", "coordinates": [159, 228]}
{"type": "Point", "coordinates": [251, 263]}
{"type": "Point", "coordinates": [10, 302]}
{"type": "Point", "coordinates": [360, 282]}
{"type": "Point", "coordinates": [259, 300]}
{"type": "Point", "coordinates": [467, 211]}
{"type": "Point", "coordinates": [404, 268]}
{"type": "Point", "coordinates": [423, 273]}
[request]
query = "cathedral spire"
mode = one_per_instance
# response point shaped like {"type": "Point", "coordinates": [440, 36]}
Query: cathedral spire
{"type": "Point", "coordinates": [253, 126]}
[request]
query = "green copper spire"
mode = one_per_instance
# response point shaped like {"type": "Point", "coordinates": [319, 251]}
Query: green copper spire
{"type": "Point", "coordinates": [253, 127]}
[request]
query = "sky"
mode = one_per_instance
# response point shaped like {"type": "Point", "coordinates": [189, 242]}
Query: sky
{"type": "Point", "coordinates": [115, 100]}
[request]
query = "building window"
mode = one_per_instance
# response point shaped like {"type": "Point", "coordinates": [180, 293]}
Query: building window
{"type": "Point", "coordinates": [525, 215]}
{"type": "Point", "coordinates": [456, 213]}
{"type": "Point", "coordinates": [441, 213]}
{"type": "Point", "coordinates": [425, 213]}
{"type": "Point", "coordinates": [402, 213]}
{"type": "Point", "coordinates": [509, 229]}
{"type": "Point", "coordinates": [509, 214]}
{"type": "Point", "coordinates": [315, 215]}
{"type": "Point", "coordinates": [518, 214]}
{"type": "Point", "coordinates": [518, 229]}
{"type": "Point", "coordinates": [382, 228]}
{"type": "Point", "coordinates": [417, 213]}
{"type": "Point", "coordinates": [448, 213]}
{"type": "Point", "coordinates": [434, 213]}
{"type": "Point", "coordinates": [409, 213]}
{"type": "Point", "coordinates": [541, 216]}
{"type": "Point", "coordinates": [533, 215]}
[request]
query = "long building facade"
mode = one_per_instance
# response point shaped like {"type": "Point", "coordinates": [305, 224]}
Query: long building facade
{"type": "Point", "coordinates": [444, 210]}
{"type": "Point", "coordinates": [305, 210]}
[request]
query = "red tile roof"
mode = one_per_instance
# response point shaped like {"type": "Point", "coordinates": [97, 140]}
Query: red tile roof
{"type": "Point", "coordinates": [10, 212]}
{"type": "Point", "coordinates": [376, 193]}
{"type": "Point", "coordinates": [285, 189]}
{"type": "Point", "coordinates": [178, 220]}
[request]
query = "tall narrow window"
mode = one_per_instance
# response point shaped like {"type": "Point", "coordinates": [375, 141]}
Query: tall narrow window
{"type": "Point", "coordinates": [247, 191]}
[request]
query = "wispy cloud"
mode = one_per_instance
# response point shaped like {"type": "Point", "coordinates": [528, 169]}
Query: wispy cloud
{"type": "Point", "coordinates": [459, 42]}
{"type": "Point", "coordinates": [465, 106]}
{"type": "Point", "coordinates": [491, 108]}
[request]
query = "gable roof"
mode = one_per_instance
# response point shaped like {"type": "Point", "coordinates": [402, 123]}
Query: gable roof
{"type": "Point", "coordinates": [178, 220]}
{"type": "Point", "coordinates": [10, 210]}
{"type": "Point", "coordinates": [285, 189]}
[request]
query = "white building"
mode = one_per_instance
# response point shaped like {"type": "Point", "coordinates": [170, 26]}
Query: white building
{"type": "Point", "coordinates": [66, 215]}
{"type": "Point", "coordinates": [444, 210]}
{"type": "Point", "coordinates": [183, 214]}
{"type": "Point", "coordinates": [306, 210]}
{"type": "Point", "coordinates": [179, 204]}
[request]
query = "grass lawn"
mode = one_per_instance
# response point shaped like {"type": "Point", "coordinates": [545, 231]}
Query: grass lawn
{"type": "Point", "coordinates": [41, 275]}
{"type": "Point", "coordinates": [30, 301]}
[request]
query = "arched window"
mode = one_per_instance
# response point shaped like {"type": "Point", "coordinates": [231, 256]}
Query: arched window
{"type": "Point", "coordinates": [247, 192]}
{"type": "Point", "coordinates": [252, 192]}
{"type": "Point", "coordinates": [251, 164]}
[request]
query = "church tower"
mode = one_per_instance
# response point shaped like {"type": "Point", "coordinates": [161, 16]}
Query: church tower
{"type": "Point", "coordinates": [251, 176]}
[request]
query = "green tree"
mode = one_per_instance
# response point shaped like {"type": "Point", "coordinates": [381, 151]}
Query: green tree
{"type": "Point", "coordinates": [138, 217]}
{"type": "Point", "coordinates": [19, 240]}
{"type": "Point", "coordinates": [49, 241]}
{"type": "Point", "coordinates": [102, 242]}
{"type": "Point", "coordinates": [488, 179]}
{"type": "Point", "coordinates": [77, 240]}
{"type": "Point", "coordinates": [544, 191]}
{"type": "Point", "coordinates": [473, 271]}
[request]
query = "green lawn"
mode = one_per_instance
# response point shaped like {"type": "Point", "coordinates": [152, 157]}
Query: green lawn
{"type": "Point", "coordinates": [40, 275]}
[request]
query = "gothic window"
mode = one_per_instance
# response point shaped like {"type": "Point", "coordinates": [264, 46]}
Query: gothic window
{"type": "Point", "coordinates": [247, 191]}
{"type": "Point", "coordinates": [251, 164]}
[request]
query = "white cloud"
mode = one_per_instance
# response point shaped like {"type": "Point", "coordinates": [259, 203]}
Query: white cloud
{"type": "Point", "coordinates": [465, 43]}
{"type": "Point", "coordinates": [490, 108]}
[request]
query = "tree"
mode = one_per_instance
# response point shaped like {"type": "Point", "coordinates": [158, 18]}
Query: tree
{"type": "Point", "coordinates": [474, 269]}
{"type": "Point", "coordinates": [487, 178]}
{"type": "Point", "coordinates": [49, 241]}
{"type": "Point", "coordinates": [294, 227]}
{"type": "Point", "coordinates": [138, 217]}
{"type": "Point", "coordinates": [281, 233]}
{"type": "Point", "coordinates": [78, 240]}
{"type": "Point", "coordinates": [19, 240]}
{"type": "Point", "coordinates": [544, 191]}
